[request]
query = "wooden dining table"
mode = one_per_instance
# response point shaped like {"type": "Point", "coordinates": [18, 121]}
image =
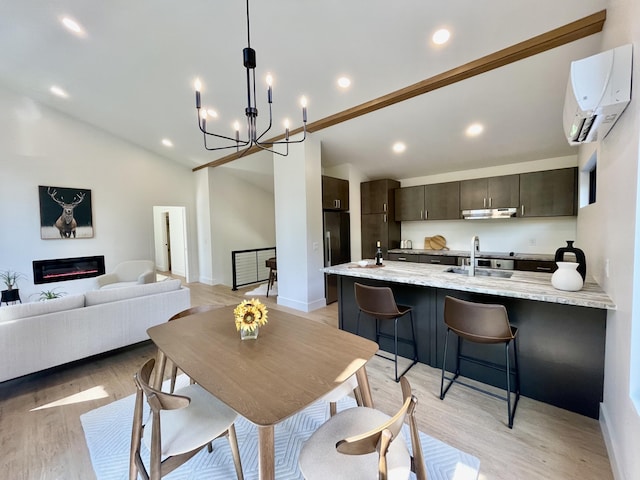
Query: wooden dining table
{"type": "Point", "coordinates": [293, 362]}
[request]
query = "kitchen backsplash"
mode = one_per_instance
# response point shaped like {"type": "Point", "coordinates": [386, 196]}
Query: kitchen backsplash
{"type": "Point", "coordinates": [520, 235]}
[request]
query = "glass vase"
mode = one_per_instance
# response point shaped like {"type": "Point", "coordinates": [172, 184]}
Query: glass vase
{"type": "Point", "coordinates": [249, 334]}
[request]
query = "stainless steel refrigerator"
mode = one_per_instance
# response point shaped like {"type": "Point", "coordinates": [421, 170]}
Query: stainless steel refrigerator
{"type": "Point", "coordinates": [337, 248]}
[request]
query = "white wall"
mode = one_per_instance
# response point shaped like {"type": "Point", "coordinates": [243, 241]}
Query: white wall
{"type": "Point", "coordinates": [608, 231]}
{"type": "Point", "coordinates": [242, 211]}
{"type": "Point", "coordinates": [39, 146]}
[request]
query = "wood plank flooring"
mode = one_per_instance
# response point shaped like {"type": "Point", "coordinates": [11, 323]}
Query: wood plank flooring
{"type": "Point", "coordinates": [41, 436]}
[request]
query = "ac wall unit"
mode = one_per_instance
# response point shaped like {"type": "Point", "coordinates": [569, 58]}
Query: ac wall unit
{"type": "Point", "coordinates": [598, 91]}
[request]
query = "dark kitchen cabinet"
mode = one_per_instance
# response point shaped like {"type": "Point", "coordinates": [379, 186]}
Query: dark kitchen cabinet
{"type": "Point", "coordinates": [549, 193]}
{"type": "Point", "coordinates": [491, 192]}
{"type": "Point", "coordinates": [410, 203]}
{"type": "Point", "coordinates": [378, 196]}
{"type": "Point", "coordinates": [442, 201]}
{"type": "Point", "coordinates": [439, 259]}
{"type": "Point", "coordinates": [404, 257]}
{"type": "Point", "coordinates": [536, 266]}
{"type": "Point", "coordinates": [335, 193]}
{"type": "Point", "coordinates": [438, 201]}
{"type": "Point", "coordinates": [378, 217]}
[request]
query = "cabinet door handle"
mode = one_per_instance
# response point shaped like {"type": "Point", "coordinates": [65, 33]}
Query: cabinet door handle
{"type": "Point", "coordinates": [426, 214]}
{"type": "Point", "coordinates": [385, 218]}
{"type": "Point", "coordinates": [484, 202]}
{"type": "Point", "coordinates": [490, 202]}
{"type": "Point", "coordinates": [384, 207]}
{"type": "Point", "coordinates": [543, 269]}
{"type": "Point", "coordinates": [435, 261]}
{"type": "Point", "coordinates": [522, 210]}
{"type": "Point", "coordinates": [402, 259]}
{"type": "Point", "coordinates": [421, 214]}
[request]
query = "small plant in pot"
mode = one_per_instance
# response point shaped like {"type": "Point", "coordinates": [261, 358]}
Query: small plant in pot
{"type": "Point", "coordinates": [10, 278]}
{"type": "Point", "coordinates": [50, 294]}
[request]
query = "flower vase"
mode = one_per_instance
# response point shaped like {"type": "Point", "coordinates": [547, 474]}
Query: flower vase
{"type": "Point", "coordinates": [566, 277]}
{"type": "Point", "coordinates": [249, 334]}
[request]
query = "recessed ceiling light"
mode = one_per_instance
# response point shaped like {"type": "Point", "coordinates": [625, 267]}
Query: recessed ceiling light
{"type": "Point", "coordinates": [474, 130]}
{"type": "Point", "coordinates": [441, 36]}
{"type": "Point", "coordinates": [167, 143]}
{"type": "Point", "coordinates": [344, 82]}
{"type": "Point", "coordinates": [73, 26]}
{"type": "Point", "coordinates": [58, 92]}
{"type": "Point", "coordinates": [399, 147]}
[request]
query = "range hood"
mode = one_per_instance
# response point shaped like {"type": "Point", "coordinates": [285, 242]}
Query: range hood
{"type": "Point", "coordinates": [487, 213]}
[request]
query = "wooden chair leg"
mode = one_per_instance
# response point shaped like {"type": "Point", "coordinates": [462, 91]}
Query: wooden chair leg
{"type": "Point", "coordinates": [235, 452]}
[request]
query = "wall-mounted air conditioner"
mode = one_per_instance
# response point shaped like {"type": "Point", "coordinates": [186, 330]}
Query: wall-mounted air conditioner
{"type": "Point", "coordinates": [598, 91]}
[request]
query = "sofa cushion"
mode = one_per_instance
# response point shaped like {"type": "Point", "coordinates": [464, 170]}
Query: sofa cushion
{"type": "Point", "coordinates": [22, 310]}
{"type": "Point", "coordinates": [96, 297]}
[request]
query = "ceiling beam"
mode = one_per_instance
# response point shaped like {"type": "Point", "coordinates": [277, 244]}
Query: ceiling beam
{"type": "Point", "coordinates": [554, 38]}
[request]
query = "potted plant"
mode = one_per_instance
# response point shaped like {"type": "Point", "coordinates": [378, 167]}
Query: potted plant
{"type": "Point", "coordinates": [10, 278]}
{"type": "Point", "coordinates": [50, 294]}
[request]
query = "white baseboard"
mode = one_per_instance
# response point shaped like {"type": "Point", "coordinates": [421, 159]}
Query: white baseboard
{"type": "Point", "coordinates": [609, 443]}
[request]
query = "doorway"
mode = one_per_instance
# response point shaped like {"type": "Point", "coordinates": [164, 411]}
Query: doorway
{"type": "Point", "coordinates": [170, 240]}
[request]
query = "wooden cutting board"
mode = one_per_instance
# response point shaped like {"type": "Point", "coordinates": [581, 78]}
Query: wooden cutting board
{"type": "Point", "coordinates": [437, 242]}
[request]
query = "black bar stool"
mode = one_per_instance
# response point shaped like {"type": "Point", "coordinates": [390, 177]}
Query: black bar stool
{"type": "Point", "coordinates": [484, 324]}
{"type": "Point", "coordinates": [379, 303]}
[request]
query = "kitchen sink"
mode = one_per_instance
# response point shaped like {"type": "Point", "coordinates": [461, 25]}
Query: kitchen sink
{"type": "Point", "coordinates": [481, 272]}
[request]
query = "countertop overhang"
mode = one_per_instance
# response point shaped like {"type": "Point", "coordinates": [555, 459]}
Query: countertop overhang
{"type": "Point", "coordinates": [524, 285]}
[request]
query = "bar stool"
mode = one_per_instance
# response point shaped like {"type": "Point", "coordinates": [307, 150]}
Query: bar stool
{"type": "Point", "coordinates": [483, 324]}
{"type": "Point", "coordinates": [379, 303]}
{"type": "Point", "coordinates": [273, 272]}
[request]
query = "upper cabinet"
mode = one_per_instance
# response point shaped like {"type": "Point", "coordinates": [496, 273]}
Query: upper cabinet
{"type": "Point", "coordinates": [492, 192]}
{"type": "Point", "coordinates": [442, 201]}
{"type": "Point", "coordinates": [439, 201]}
{"type": "Point", "coordinates": [549, 193]}
{"type": "Point", "coordinates": [410, 203]}
{"type": "Point", "coordinates": [377, 196]}
{"type": "Point", "coordinates": [335, 193]}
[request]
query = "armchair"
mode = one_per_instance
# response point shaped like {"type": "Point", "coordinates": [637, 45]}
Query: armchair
{"type": "Point", "coordinates": [133, 272]}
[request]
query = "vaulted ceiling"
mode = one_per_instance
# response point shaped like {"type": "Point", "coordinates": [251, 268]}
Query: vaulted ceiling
{"type": "Point", "coordinates": [132, 72]}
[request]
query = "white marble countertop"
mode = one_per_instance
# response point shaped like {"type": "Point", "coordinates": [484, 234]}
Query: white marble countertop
{"type": "Point", "coordinates": [525, 285]}
{"type": "Point", "coordinates": [465, 253]}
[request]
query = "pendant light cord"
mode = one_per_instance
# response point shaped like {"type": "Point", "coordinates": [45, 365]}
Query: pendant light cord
{"type": "Point", "coordinates": [248, 29]}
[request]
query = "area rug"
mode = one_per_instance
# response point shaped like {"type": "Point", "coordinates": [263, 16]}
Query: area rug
{"type": "Point", "coordinates": [262, 290]}
{"type": "Point", "coordinates": [108, 435]}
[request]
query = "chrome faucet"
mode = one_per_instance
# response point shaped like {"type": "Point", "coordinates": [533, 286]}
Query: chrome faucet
{"type": "Point", "coordinates": [475, 248]}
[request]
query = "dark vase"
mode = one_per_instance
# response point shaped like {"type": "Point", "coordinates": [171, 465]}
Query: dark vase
{"type": "Point", "coordinates": [579, 254]}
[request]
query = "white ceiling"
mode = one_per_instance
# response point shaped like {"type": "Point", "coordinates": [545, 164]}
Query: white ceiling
{"type": "Point", "coordinates": [132, 74]}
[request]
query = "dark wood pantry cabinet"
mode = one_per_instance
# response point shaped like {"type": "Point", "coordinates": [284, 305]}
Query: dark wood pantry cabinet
{"type": "Point", "coordinates": [378, 221]}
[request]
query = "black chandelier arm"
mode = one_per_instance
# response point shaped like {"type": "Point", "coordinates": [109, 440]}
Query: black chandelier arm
{"type": "Point", "coordinates": [268, 127]}
{"type": "Point", "coordinates": [287, 142]}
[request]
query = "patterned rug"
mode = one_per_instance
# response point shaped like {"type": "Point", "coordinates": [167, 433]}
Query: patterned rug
{"type": "Point", "coordinates": [108, 435]}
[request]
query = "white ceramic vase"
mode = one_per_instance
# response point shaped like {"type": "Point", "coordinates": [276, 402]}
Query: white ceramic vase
{"type": "Point", "coordinates": [566, 277]}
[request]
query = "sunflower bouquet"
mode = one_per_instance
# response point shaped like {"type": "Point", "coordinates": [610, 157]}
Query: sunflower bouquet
{"type": "Point", "coordinates": [250, 314]}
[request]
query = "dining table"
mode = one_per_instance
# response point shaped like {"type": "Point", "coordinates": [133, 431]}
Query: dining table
{"type": "Point", "coordinates": [292, 363]}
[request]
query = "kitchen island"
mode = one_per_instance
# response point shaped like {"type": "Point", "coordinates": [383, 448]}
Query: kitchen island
{"type": "Point", "coordinates": [561, 335]}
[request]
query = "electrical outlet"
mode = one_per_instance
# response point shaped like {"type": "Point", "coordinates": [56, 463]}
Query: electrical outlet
{"type": "Point", "coordinates": [315, 246]}
{"type": "Point", "coordinates": [532, 242]}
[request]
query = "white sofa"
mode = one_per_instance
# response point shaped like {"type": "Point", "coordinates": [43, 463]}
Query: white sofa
{"type": "Point", "coordinates": [131, 272]}
{"type": "Point", "coordinates": [39, 335]}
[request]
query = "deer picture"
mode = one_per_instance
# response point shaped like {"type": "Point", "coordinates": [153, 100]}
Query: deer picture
{"type": "Point", "coordinates": [66, 224]}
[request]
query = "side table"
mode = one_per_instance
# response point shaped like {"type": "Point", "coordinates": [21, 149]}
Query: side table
{"type": "Point", "coordinates": [12, 296]}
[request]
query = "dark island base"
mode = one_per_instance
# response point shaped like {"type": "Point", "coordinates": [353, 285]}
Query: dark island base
{"type": "Point", "coordinates": [560, 347]}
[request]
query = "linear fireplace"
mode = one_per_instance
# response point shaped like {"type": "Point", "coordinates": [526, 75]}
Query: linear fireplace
{"type": "Point", "coordinates": [61, 269]}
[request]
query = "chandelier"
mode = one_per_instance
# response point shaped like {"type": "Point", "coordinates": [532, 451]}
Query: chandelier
{"type": "Point", "coordinates": [252, 139]}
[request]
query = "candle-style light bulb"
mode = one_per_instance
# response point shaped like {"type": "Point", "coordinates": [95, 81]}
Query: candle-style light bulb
{"type": "Point", "coordinates": [198, 86]}
{"type": "Point", "coordinates": [286, 129]}
{"type": "Point", "coordinates": [236, 127]}
{"type": "Point", "coordinates": [203, 116]}
{"type": "Point", "coordinates": [269, 89]}
{"type": "Point", "coordinates": [303, 102]}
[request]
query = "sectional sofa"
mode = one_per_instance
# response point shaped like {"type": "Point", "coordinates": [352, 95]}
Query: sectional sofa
{"type": "Point", "coordinates": [39, 335]}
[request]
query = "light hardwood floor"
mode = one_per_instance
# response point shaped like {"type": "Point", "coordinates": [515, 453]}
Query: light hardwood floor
{"type": "Point", "coordinates": [41, 436]}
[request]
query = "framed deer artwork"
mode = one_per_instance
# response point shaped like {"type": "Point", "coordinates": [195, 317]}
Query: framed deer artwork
{"type": "Point", "coordinates": [65, 213]}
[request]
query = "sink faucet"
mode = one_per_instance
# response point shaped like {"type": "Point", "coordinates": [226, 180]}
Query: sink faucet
{"type": "Point", "coordinates": [475, 248]}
